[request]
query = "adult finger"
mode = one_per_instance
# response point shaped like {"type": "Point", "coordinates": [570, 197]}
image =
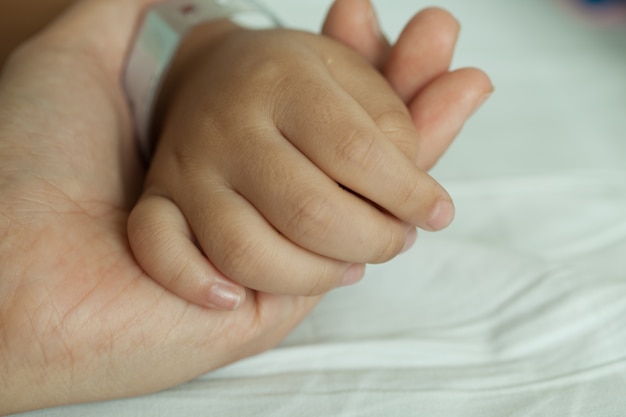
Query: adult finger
{"type": "Point", "coordinates": [442, 108]}
{"type": "Point", "coordinates": [423, 51]}
{"type": "Point", "coordinates": [354, 23]}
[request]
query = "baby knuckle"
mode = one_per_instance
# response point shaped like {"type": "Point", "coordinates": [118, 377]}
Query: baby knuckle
{"type": "Point", "coordinates": [409, 196]}
{"type": "Point", "coordinates": [241, 257]}
{"type": "Point", "coordinates": [389, 246]}
{"type": "Point", "coordinates": [393, 119]}
{"type": "Point", "coordinates": [315, 288]}
{"type": "Point", "coordinates": [417, 193]}
{"type": "Point", "coordinates": [321, 283]}
{"type": "Point", "coordinates": [267, 71]}
{"type": "Point", "coordinates": [178, 275]}
{"type": "Point", "coordinates": [399, 129]}
{"type": "Point", "coordinates": [358, 147]}
{"type": "Point", "coordinates": [416, 200]}
{"type": "Point", "coordinates": [269, 74]}
{"type": "Point", "coordinates": [312, 217]}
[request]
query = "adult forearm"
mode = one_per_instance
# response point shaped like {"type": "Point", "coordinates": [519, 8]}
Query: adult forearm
{"type": "Point", "coordinates": [20, 20]}
{"type": "Point", "coordinates": [64, 110]}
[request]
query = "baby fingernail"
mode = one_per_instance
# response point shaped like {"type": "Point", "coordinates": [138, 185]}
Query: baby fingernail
{"type": "Point", "coordinates": [226, 297]}
{"type": "Point", "coordinates": [410, 240]}
{"type": "Point", "coordinates": [441, 216]}
{"type": "Point", "coordinates": [353, 275]}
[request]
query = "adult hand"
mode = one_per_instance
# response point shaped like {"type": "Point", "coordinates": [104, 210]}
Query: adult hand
{"type": "Point", "coordinates": [79, 320]}
{"type": "Point", "coordinates": [417, 67]}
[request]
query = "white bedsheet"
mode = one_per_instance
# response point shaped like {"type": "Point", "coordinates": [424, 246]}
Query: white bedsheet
{"type": "Point", "coordinates": [519, 308]}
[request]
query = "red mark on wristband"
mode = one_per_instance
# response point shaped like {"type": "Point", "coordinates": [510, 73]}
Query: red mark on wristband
{"type": "Point", "coordinates": [187, 9]}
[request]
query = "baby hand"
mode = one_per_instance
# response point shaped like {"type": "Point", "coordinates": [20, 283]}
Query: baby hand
{"type": "Point", "coordinates": [280, 168]}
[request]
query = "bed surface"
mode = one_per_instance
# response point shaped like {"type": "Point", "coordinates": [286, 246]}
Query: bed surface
{"type": "Point", "coordinates": [519, 308]}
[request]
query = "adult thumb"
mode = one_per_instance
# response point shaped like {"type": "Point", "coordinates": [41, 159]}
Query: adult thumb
{"type": "Point", "coordinates": [354, 23]}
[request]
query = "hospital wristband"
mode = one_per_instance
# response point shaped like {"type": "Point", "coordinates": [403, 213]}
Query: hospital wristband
{"type": "Point", "coordinates": [162, 30]}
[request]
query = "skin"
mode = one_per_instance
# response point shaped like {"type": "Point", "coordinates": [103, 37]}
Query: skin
{"type": "Point", "coordinates": [258, 194]}
{"type": "Point", "coordinates": [79, 319]}
{"type": "Point", "coordinates": [22, 19]}
{"type": "Point", "coordinates": [255, 199]}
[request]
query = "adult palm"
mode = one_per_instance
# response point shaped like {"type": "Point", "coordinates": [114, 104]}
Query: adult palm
{"type": "Point", "coordinates": [79, 320]}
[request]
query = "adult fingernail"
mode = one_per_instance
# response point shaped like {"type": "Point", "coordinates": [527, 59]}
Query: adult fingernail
{"type": "Point", "coordinates": [225, 297]}
{"type": "Point", "coordinates": [411, 237]}
{"type": "Point", "coordinates": [353, 275]}
{"type": "Point", "coordinates": [441, 216]}
{"type": "Point", "coordinates": [481, 100]}
{"type": "Point", "coordinates": [374, 21]}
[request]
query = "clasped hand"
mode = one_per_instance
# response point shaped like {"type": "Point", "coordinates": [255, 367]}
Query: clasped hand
{"type": "Point", "coordinates": [287, 161]}
{"type": "Point", "coordinates": [80, 320]}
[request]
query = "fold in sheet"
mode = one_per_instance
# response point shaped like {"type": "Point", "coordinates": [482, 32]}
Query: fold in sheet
{"type": "Point", "coordinates": [501, 315]}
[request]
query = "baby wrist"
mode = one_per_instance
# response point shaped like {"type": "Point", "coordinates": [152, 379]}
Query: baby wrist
{"type": "Point", "coordinates": [163, 28]}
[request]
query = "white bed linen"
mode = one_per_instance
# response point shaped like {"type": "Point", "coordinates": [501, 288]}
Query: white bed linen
{"type": "Point", "coordinates": [519, 308]}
